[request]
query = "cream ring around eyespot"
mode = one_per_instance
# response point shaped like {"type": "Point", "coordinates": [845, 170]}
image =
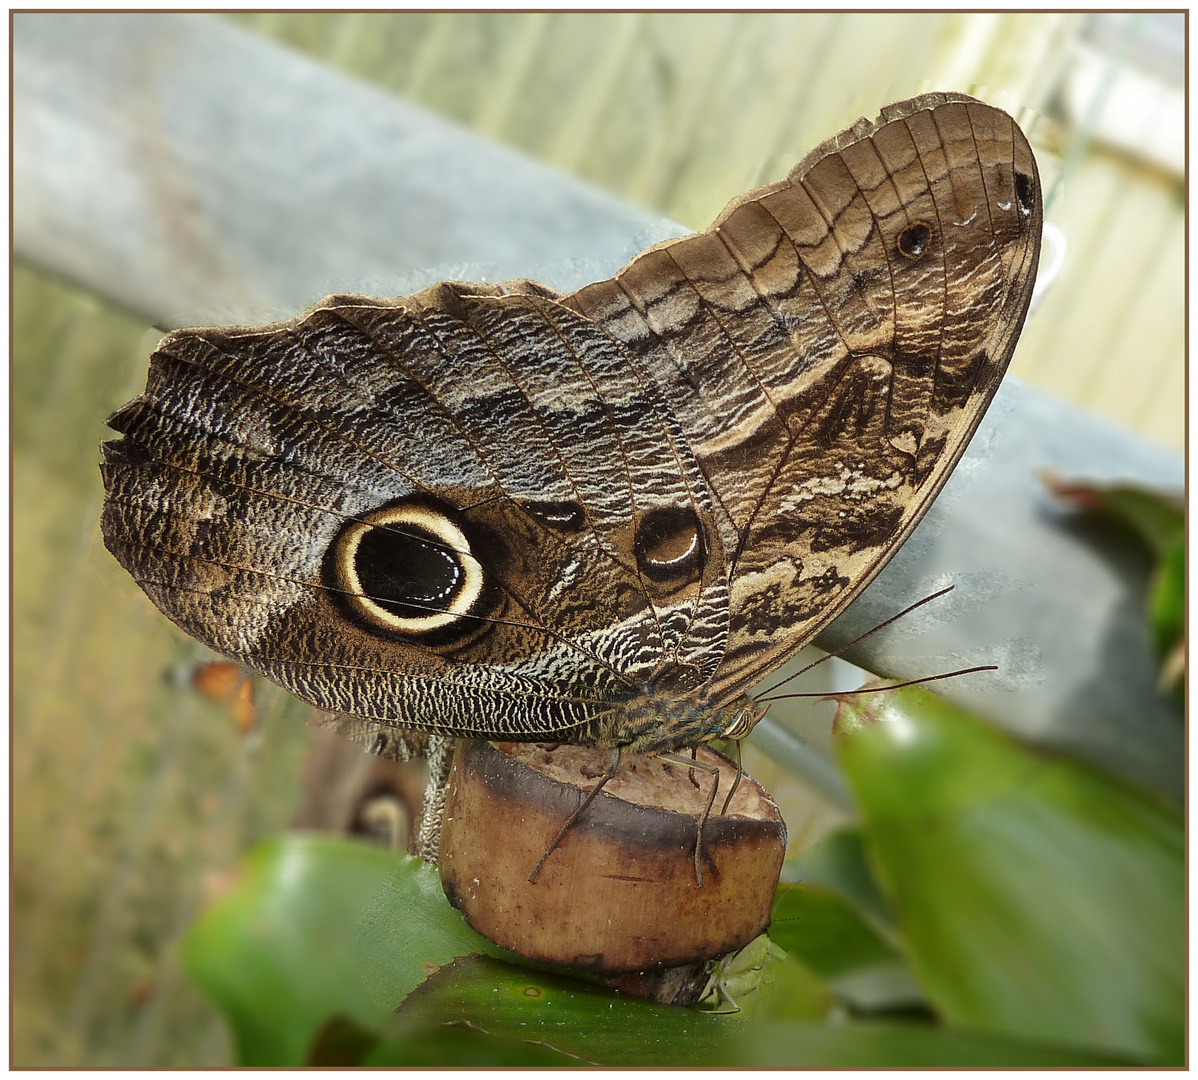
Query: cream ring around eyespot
{"type": "Point", "coordinates": [444, 532]}
{"type": "Point", "coordinates": [678, 560]}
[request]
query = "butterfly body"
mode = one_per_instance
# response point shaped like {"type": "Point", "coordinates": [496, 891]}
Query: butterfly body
{"type": "Point", "coordinates": [653, 721]}
{"type": "Point", "coordinates": [503, 512]}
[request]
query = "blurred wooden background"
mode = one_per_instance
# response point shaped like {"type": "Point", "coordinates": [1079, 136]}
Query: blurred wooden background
{"type": "Point", "coordinates": [131, 797]}
{"type": "Point", "coordinates": [684, 112]}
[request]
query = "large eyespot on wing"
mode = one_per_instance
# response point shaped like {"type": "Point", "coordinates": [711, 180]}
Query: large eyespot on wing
{"type": "Point", "coordinates": [670, 548]}
{"type": "Point", "coordinates": [408, 570]}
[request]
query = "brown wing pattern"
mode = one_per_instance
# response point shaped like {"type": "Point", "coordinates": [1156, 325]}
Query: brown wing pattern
{"type": "Point", "coordinates": [831, 344]}
{"type": "Point", "coordinates": [497, 511]}
{"type": "Point", "coordinates": [474, 433]}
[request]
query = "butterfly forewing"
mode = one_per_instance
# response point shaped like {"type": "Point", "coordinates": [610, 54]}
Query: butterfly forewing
{"type": "Point", "coordinates": [502, 512]}
{"type": "Point", "coordinates": [897, 262]}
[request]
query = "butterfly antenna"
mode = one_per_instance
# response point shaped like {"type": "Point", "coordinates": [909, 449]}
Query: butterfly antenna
{"type": "Point", "coordinates": [891, 686]}
{"type": "Point", "coordinates": [848, 645]}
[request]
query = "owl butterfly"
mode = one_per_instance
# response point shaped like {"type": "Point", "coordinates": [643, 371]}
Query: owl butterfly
{"type": "Point", "coordinates": [503, 512]}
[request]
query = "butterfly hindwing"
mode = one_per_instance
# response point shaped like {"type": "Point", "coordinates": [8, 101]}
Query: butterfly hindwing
{"type": "Point", "coordinates": [488, 443]}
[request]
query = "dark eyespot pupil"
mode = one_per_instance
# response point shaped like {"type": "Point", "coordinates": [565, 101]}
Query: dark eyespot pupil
{"type": "Point", "coordinates": [1025, 192]}
{"type": "Point", "coordinates": [669, 545]}
{"type": "Point", "coordinates": [914, 239]}
{"type": "Point", "coordinates": [408, 573]}
{"type": "Point", "coordinates": [563, 516]}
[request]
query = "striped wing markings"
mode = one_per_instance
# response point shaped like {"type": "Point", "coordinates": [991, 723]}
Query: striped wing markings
{"type": "Point", "coordinates": [749, 272]}
{"type": "Point", "coordinates": [552, 371]}
{"type": "Point", "coordinates": [470, 676]}
{"type": "Point", "coordinates": [604, 363]}
{"type": "Point", "coordinates": [625, 307]}
{"type": "Point", "coordinates": [598, 502]}
{"type": "Point", "coordinates": [863, 145]}
{"type": "Point", "coordinates": [1019, 154]}
{"type": "Point", "coordinates": [304, 414]}
{"type": "Point", "coordinates": [795, 216]}
{"type": "Point", "coordinates": [444, 385]}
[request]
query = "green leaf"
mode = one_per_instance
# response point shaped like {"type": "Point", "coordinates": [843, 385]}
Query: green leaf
{"type": "Point", "coordinates": [612, 1029]}
{"type": "Point", "coordinates": [318, 927]}
{"type": "Point", "coordinates": [1167, 598]}
{"type": "Point", "coordinates": [276, 951]}
{"type": "Point", "coordinates": [890, 1046]}
{"type": "Point", "coordinates": [341, 1043]}
{"type": "Point", "coordinates": [586, 1021]}
{"type": "Point", "coordinates": [829, 935]}
{"type": "Point", "coordinates": [832, 915]}
{"type": "Point", "coordinates": [460, 1047]}
{"type": "Point", "coordinates": [1155, 517]}
{"type": "Point", "coordinates": [838, 864]}
{"type": "Point", "coordinates": [1035, 897]}
{"type": "Point", "coordinates": [1158, 520]}
{"type": "Point", "coordinates": [408, 930]}
{"type": "Point", "coordinates": [825, 932]}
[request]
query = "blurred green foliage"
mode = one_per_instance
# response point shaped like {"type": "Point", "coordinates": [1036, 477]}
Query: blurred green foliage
{"type": "Point", "coordinates": [1157, 520]}
{"type": "Point", "coordinates": [129, 792]}
{"type": "Point", "coordinates": [1034, 897]}
{"type": "Point", "coordinates": [995, 907]}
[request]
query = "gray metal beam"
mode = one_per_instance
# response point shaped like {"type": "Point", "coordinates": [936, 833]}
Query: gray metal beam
{"type": "Point", "coordinates": [196, 173]}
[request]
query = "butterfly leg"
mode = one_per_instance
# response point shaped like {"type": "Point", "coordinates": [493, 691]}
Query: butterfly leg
{"type": "Point", "coordinates": [613, 764]}
{"type": "Point", "coordinates": [736, 780]}
{"type": "Point", "coordinates": [428, 836]}
{"type": "Point", "coordinates": [696, 764]}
